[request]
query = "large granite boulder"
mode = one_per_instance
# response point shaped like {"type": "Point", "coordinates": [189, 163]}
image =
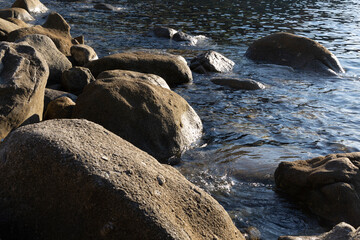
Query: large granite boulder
{"type": "Point", "coordinates": [23, 76]}
{"type": "Point", "coordinates": [18, 13]}
{"type": "Point", "coordinates": [154, 119]}
{"type": "Point", "coordinates": [131, 75]}
{"type": "Point", "coordinates": [6, 27]}
{"type": "Point", "coordinates": [56, 60]}
{"type": "Point", "coordinates": [342, 231]}
{"type": "Point", "coordinates": [211, 61]}
{"type": "Point", "coordinates": [55, 28]}
{"type": "Point", "coordinates": [32, 6]}
{"type": "Point", "coordinates": [294, 51]}
{"type": "Point", "coordinates": [173, 69]}
{"type": "Point", "coordinates": [73, 179]}
{"type": "Point", "coordinates": [328, 185]}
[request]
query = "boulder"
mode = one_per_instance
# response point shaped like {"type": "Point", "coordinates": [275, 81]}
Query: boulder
{"type": "Point", "coordinates": [18, 13]}
{"type": "Point", "coordinates": [23, 76]}
{"type": "Point", "coordinates": [32, 6]}
{"type": "Point", "coordinates": [55, 28]}
{"type": "Point", "coordinates": [342, 231]}
{"type": "Point", "coordinates": [5, 28]}
{"type": "Point", "coordinates": [75, 79]}
{"type": "Point", "coordinates": [211, 61]}
{"type": "Point", "coordinates": [51, 94]}
{"type": "Point", "coordinates": [173, 69]}
{"type": "Point", "coordinates": [83, 54]}
{"type": "Point", "coordinates": [154, 119]}
{"type": "Point", "coordinates": [131, 75]}
{"type": "Point", "coordinates": [56, 60]}
{"type": "Point", "coordinates": [59, 108]}
{"type": "Point", "coordinates": [294, 51]}
{"type": "Point", "coordinates": [73, 179]}
{"type": "Point", "coordinates": [164, 32]}
{"type": "Point", "coordinates": [245, 84]}
{"type": "Point", "coordinates": [328, 185]}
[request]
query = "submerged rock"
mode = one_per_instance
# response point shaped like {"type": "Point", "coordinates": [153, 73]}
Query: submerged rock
{"type": "Point", "coordinates": [137, 76]}
{"type": "Point", "coordinates": [56, 60]}
{"type": "Point", "coordinates": [83, 54]}
{"type": "Point", "coordinates": [75, 79]}
{"type": "Point", "coordinates": [55, 28]}
{"type": "Point", "coordinates": [18, 13]}
{"type": "Point", "coordinates": [211, 61]}
{"type": "Point", "coordinates": [23, 76]}
{"type": "Point", "coordinates": [154, 119]}
{"type": "Point", "coordinates": [106, 6]}
{"type": "Point", "coordinates": [164, 32]}
{"type": "Point", "coordinates": [342, 231]}
{"type": "Point", "coordinates": [328, 185]}
{"type": "Point", "coordinates": [84, 182]}
{"type": "Point", "coordinates": [172, 68]}
{"type": "Point", "coordinates": [32, 6]}
{"type": "Point", "coordinates": [294, 51]}
{"type": "Point", "coordinates": [236, 83]}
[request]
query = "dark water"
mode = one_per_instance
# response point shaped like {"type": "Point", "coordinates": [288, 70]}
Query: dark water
{"type": "Point", "coordinates": [247, 133]}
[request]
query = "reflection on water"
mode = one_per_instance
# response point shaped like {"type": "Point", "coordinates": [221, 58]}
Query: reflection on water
{"type": "Point", "coordinates": [247, 133]}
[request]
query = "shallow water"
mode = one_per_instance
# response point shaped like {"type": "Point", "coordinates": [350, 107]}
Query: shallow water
{"type": "Point", "coordinates": [247, 133]}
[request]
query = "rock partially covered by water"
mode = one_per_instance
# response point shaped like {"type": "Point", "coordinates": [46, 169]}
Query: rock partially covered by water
{"type": "Point", "coordinates": [75, 79]}
{"type": "Point", "coordinates": [294, 51]}
{"type": "Point", "coordinates": [172, 68]}
{"type": "Point", "coordinates": [106, 6]}
{"type": "Point", "coordinates": [18, 13]}
{"type": "Point", "coordinates": [328, 185]}
{"type": "Point", "coordinates": [32, 6]}
{"type": "Point", "coordinates": [55, 28]}
{"type": "Point", "coordinates": [211, 61]}
{"type": "Point", "coordinates": [23, 76]}
{"type": "Point", "coordinates": [342, 231]}
{"type": "Point", "coordinates": [164, 32]}
{"type": "Point", "coordinates": [154, 119]}
{"type": "Point", "coordinates": [83, 54]}
{"type": "Point", "coordinates": [236, 83]}
{"type": "Point", "coordinates": [56, 60]}
{"type": "Point", "coordinates": [85, 182]}
{"type": "Point", "coordinates": [137, 76]}
{"type": "Point", "coordinates": [59, 108]}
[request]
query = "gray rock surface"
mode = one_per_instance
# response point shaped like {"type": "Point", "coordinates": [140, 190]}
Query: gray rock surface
{"type": "Point", "coordinates": [131, 75]}
{"type": "Point", "coordinates": [83, 54]}
{"type": "Point", "coordinates": [211, 61]}
{"type": "Point", "coordinates": [56, 60]}
{"type": "Point", "coordinates": [328, 185]}
{"type": "Point", "coordinates": [84, 182]}
{"type": "Point", "coordinates": [75, 79]}
{"type": "Point", "coordinates": [172, 68]}
{"type": "Point", "coordinates": [23, 76]}
{"type": "Point", "coordinates": [154, 119]}
{"type": "Point", "coordinates": [294, 51]}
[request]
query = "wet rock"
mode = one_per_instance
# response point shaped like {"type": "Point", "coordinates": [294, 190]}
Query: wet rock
{"type": "Point", "coordinates": [211, 61]}
{"type": "Point", "coordinates": [32, 6]}
{"type": "Point", "coordinates": [56, 60]}
{"type": "Point", "coordinates": [328, 185]}
{"type": "Point", "coordinates": [106, 6]}
{"type": "Point", "coordinates": [23, 76]}
{"type": "Point", "coordinates": [59, 108]}
{"type": "Point", "coordinates": [55, 28]}
{"type": "Point", "coordinates": [5, 28]}
{"type": "Point", "coordinates": [52, 94]}
{"type": "Point", "coordinates": [342, 231]}
{"type": "Point", "coordinates": [164, 32]}
{"type": "Point", "coordinates": [183, 37]}
{"type": "Point", "coordinates": [17, 13]}
{"type": "Point", "coordinates": [83, 54]}
{"type": "Point", "coordinates": [236, 83]}
{"type": "Point", "coordinates": [75, 79]}
{"type": "Point", "coordinates": [173, 69]}
{"type": "Point", "coordinates": [131, 75]}
{"type": "Point", "coordinates": [92, 184]}
{"type": "Point", "coordinates": [154, 119]}
{"type": "Point", "coordinates": [294, 51]}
